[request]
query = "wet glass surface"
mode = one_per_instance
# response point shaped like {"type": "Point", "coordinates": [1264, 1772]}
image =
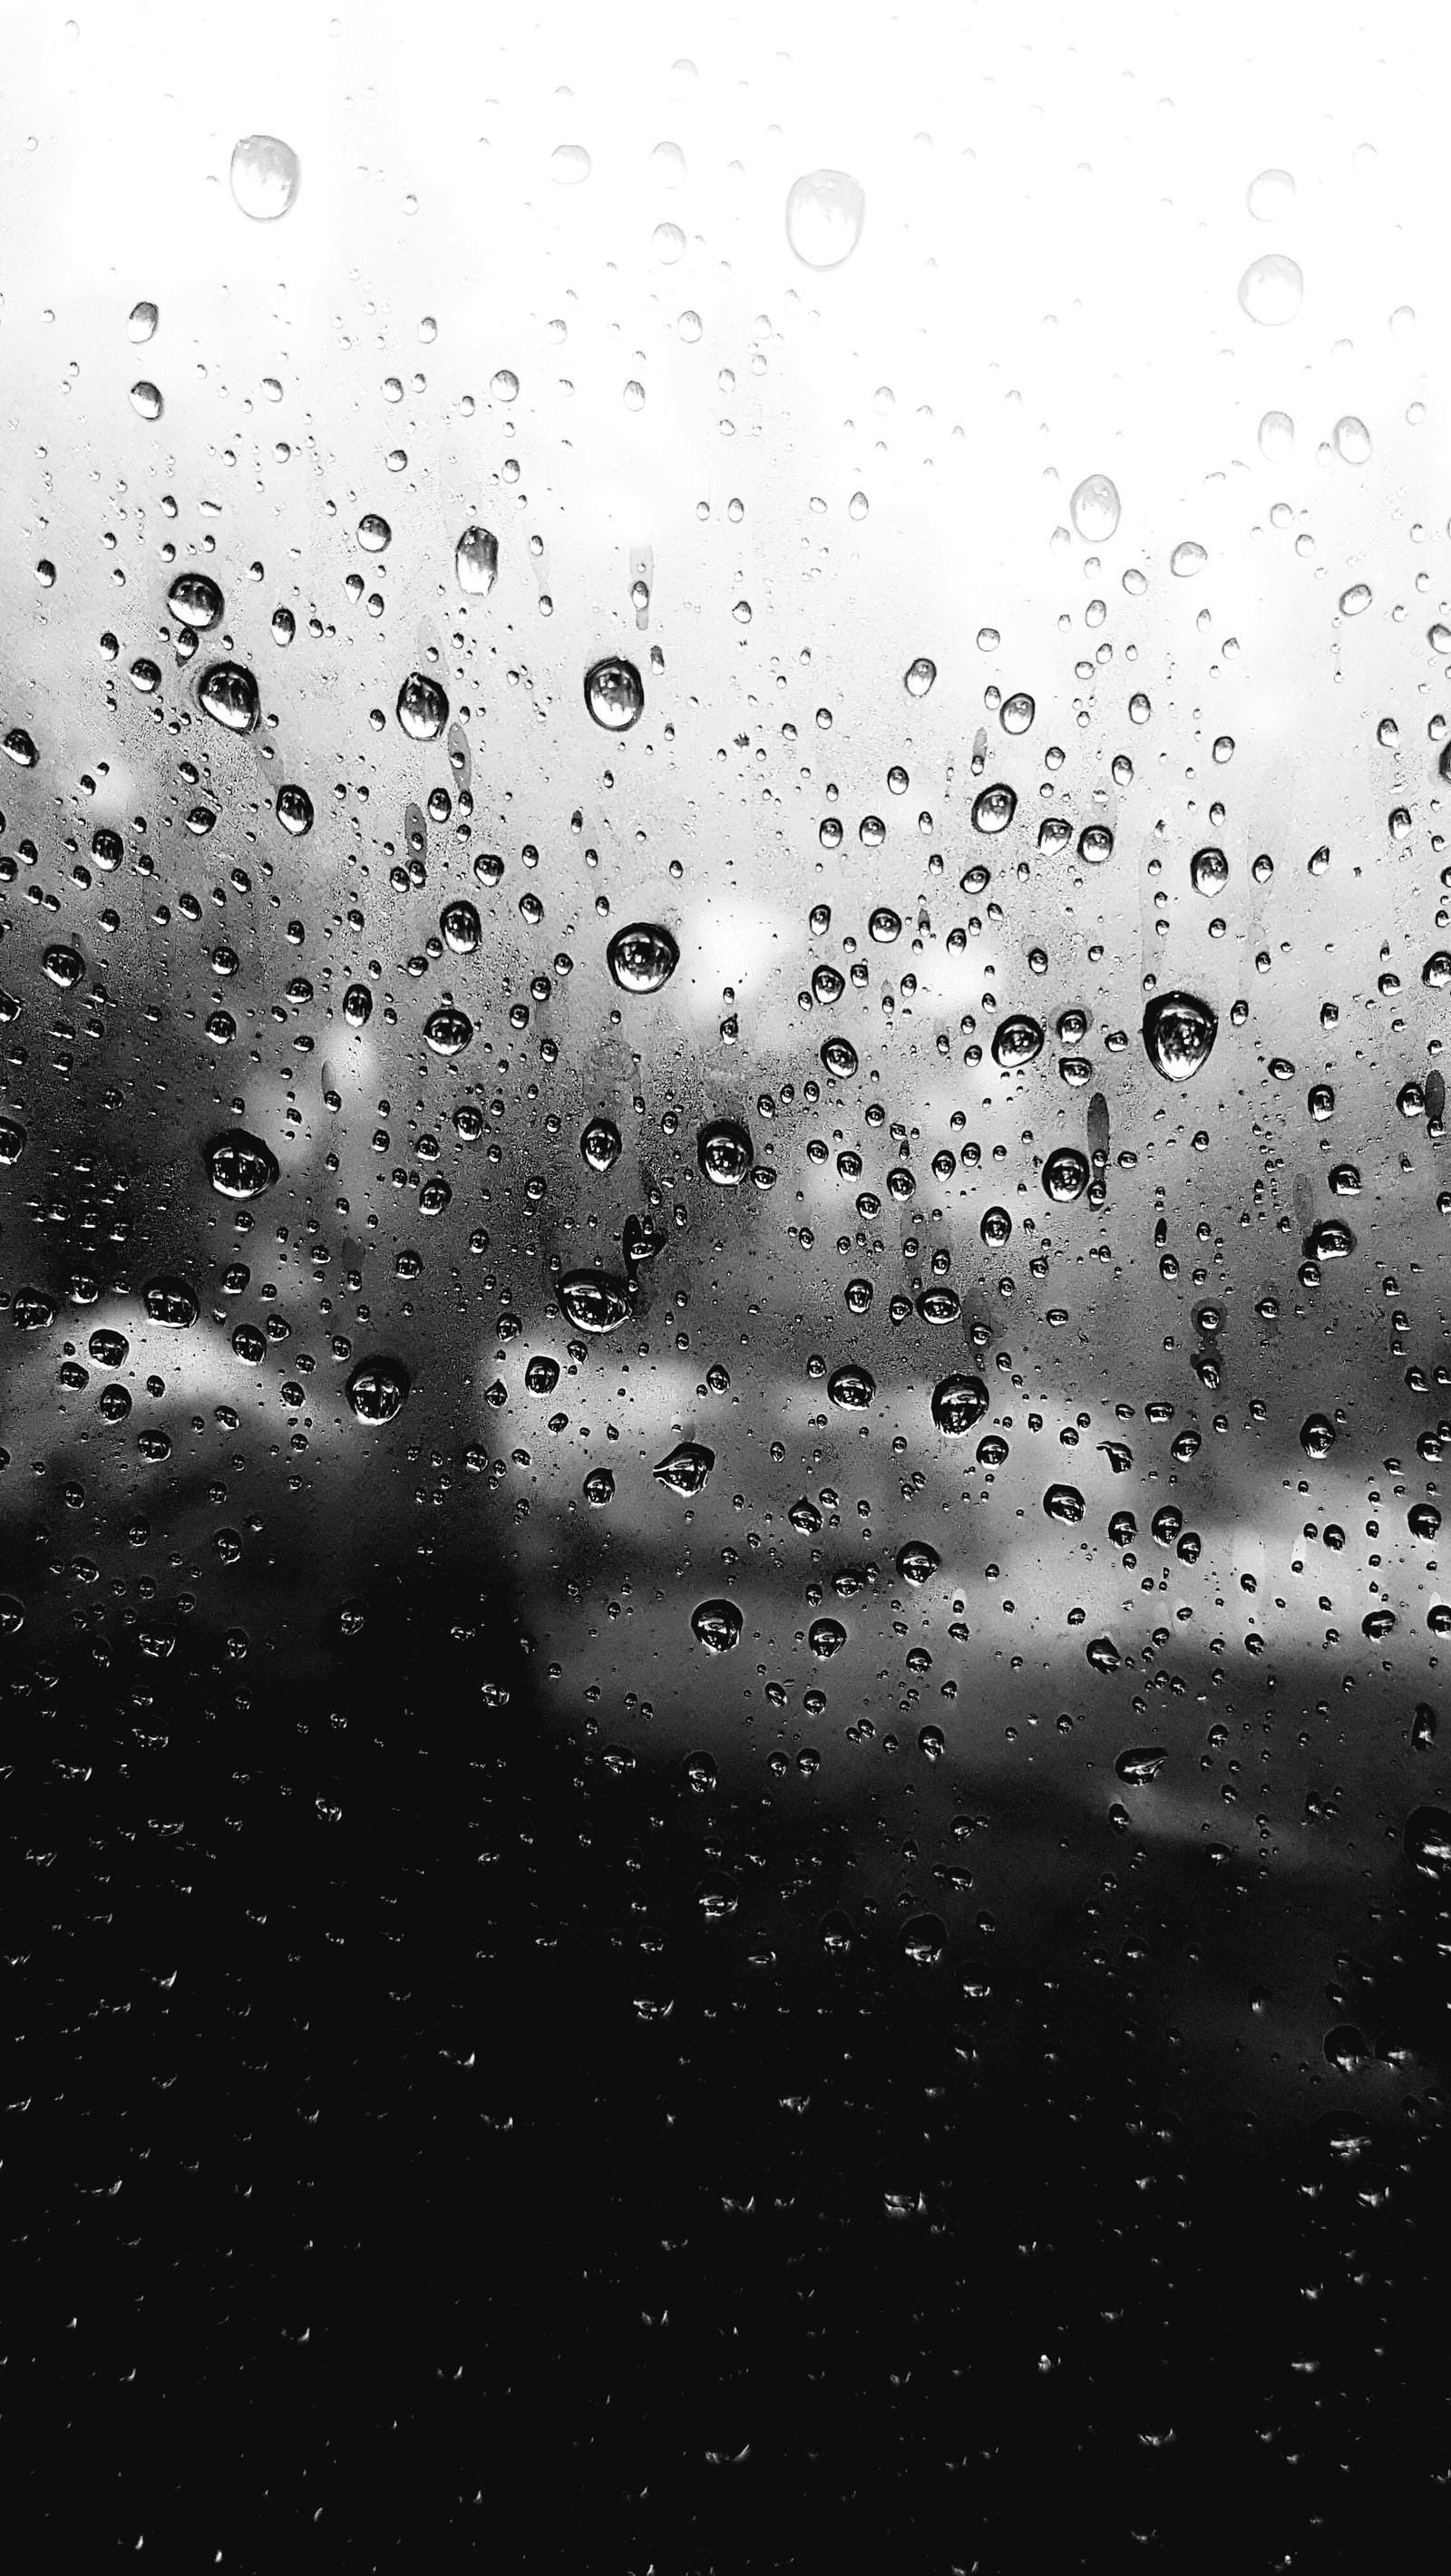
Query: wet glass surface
{"type": "Point", "coordinates": [723, 1195]}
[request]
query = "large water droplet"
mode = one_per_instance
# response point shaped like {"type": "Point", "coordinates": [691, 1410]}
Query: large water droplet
{"type": "Point", "coordinates": [1352, 440]}
{"type": "Point", "coordinates": [266, 174]}
{"type": "Point", "coordinates": [294, 811]}
{"type": "Point", "coordinates": [1017, 712]}
{"type": "Point", "coordinates": [569, 165]}
{"type": "Point", "coordinates": [725, 1153]}
{"type": "Point", "coordinates": [1064, 1503]}
{"type": "Point", "coordinates": [594, 1300]}
{"type": "Point", "coordinates": [476, 561]}
{"type": "Point", "coordinates": [1427, 1841]}
{"type": "Point", "coordinates": [447, 1031]}
{"type": "Point", "coordinates": [1065, 1174]}
{"type": "Point", "coordinates": [146, 399]}
{"type": "Point", "coordinates": [718, 1625]}
{"type": "Point", "coordinates": [839, 1057]}
{"type": "Point", "coordinates": [195, 598]}
{"type": "Point", "coordinates": [1277, 436]}
{"type": "Point", "coordinates": [141, 321]}
{"type": "Point", "coordinates": [614, 694]}
{"type": "Point", "coordinates": [169, 1300]}
{"type": "Point", "coordinates": [919, 676]}
{"type": "Point", "coordinates": [1270, 195]}
{"type": "Point", "coordinates": [12, 1142]}
{"type": "Point", "coordinates": [422, 708]}
{"type": "Point", "coordinates": [461, 927]}
{"type": "Point", "coordinates": [686, 1468]}
{"type": "Point", "coordinates": [1271, 288]}
{"type": "Point", "coordinates": [1179, 1030]}
{"type": "Point", "coordinates": [378, 1390]}
{"type": "Point", "coordinates": [1141, 1764]}
{"type": "Point", "coordinates": [957, 1403]}
{"type": "Point", "coordinates": [1209, 871]}
{"type": "Point", "coordinates": [825, 1637]}
{"type": "Point", "coordinates": [993, 809]}
{"type": "Point", "coordinates": [1094, 508]}
{"type": "Point", "coordinates": [642, 957]}
{"type": "Point", "coordinates": [601, 1145]}
{"type": "Point", "coordinates": [825, 211]}
{"type": "Point", "coordinates": [374, 534]}
{"type": "Point", "coordinates": [853, 1388]}
{"type": "Point", "coordinates": [1016, 1040]}
{"type": "Point", "coordinates": [229, 695]}
{"type": "Point", "coordinates": [1188, 560]}
{"type": "Point", "coordinates": [240, 1166]}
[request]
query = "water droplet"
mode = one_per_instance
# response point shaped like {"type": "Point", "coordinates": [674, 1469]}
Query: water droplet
{"type": "Point", "coordinates": [476, 561]}
{"type": "Point", "coordinates": [884, 925]}
{"type": "Point", "coordinates": [924, 1942]}
{"type": "Point", "coordinates": [919, 676]}
{"type": "Point", "coordinates": [1094, 508]}
{"type": "Point", "coordinates": [1317, 1435]}
{"type": "Point", "coordinates": [374, 534]}
{"type": "Point", "coordinates": [599, 1488]}
{"type": "Point", "coordinates": [378, 1390]}
{"type": "Point", "coordinates": [1016, 1041]}
{"type": "Point", "coordinates": [825, 1637]}
{"type": "Point", "coordinates": [939, 1306]}
{"type": "Point", "coordinates": [1277, 436]}
{"type": "Point", "coordinates": [718, 1625]}
{"type": "Point", "coordinates": [1270, 195]}
{"type": "Point", "coordinates": [853, 1388]}
{"type": "Point", "coordinates": [600, 1144]}
{"type": "Point", "coordinates": [614, 694]}
{"type": "Point", "coordinates": [1271, 288]}
{"type": "Point", "coordinates": [569, 165]}
{"type": "Point", "coordinates": [1355, 601]}
{"type": "Point", "coordinates": [229, 695]}
{"type": "Point", "coordinates": [686, 1468]}
{"type": "Point", "coordinates": [725, 1153]}
{"type": "Point", "coordinates": [357, 1006]}
{"type": "Point", "coordinates": [1065, 1174]}
{"type": "Point", "coordinates": [294, 811]}
{"type": "Point", "coordinates": [240, 1166]}
{"type": "Point", "coordinates": [64, 966]}
{"type": "Point", "coordinates": [1187, 560]}
{"type": "Point", "coordinates": [917, 1561]}
{"type": "Point", "coordinates": [1179, 1031]}
{"type": "Point", "coordinates": [839, 1058]}
{"type": "Point", "coordinates": [461, 927]}
{"type": "Point", "coordinates": [447, 1031]}
{"type": "Point", "coordinates": [12, 1142]}
{"type": "Point", "coordinates": [1352, 440]}
{"type": "Point", "coordinates": [642, 957]}
{"type": "Point", "coordinates": [141, 321]}
{"type": "Point", "coordinates": [993, 809]}
{"type": "Point", "coordinates": [957, 1403]}
{"type": "Point", "coordinates": [1141, 1764]}
{"type": "Point", "coordinates": [594, 1300]}
{"type": "Point", "coordinates": [1064, 1503]}
{"type": "Point", "coordinates": [266, 174]}
{"type": "Point", "coordinates": [1209, 872]}
{"type": "Point", "coordinates": [422, 708]}
{"type": "Point", "coordinates": [1017, 712]}
{"type": "Point", "coordinates": [825, 210]}
{"type": "Point", "coordinates": [195, 598]}
{"type": "Point", "coordinates": [146, 399]}
{"type": "Point", "coordinates": [169, 1300]}
{"type": "Point", "coordinates": [1095, 844]}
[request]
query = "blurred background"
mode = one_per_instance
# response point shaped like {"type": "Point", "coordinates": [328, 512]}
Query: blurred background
{"type": "Point", "coordinates": [778, 686]}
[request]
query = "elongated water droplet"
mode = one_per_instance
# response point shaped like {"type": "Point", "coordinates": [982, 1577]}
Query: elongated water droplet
{"type": "Point", "coordinates": [294, 811]}
{"type": "Point", "coordinates": [993, 809]}
{"type": "Point", "coordinates": [919, 676]}
{"type": "Point", "coordinates": [686, 1468]}
{"type": "Point", "coordinates": [600, 1144]}
{"type": "Point", "coordinates": [1141, 1764]}
{"type": "Point", "coordinates": [476, 561]}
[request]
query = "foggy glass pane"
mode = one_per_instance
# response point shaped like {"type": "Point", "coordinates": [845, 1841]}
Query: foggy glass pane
{"type": "Point", "coordinates": [724, 950]}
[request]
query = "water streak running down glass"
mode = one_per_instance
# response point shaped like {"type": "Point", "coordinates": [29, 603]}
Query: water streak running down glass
{"type": "Point", "coordinates": [724, 942]}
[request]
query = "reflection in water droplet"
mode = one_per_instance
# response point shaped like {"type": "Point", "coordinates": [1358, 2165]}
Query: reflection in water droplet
{"type": "Point", "coordinates": [825, 1637]}
{"type": "Point", "coordinates": [141, 321]}
{"type": "Point", "coordinates": [172, 1301]}
{"type": "Point", "coordinates": [614, 694]}
{"type": "Point", "coordinates": [476, 561]}
{"type": "Point", "coordinates": [1188, 559]}
{"type": "Point", "coordinates": [725, 1153]}
{"type": "Point", "coordinates": [1277, 436]}
{"type": "Point", "coordinates": [1017, 712]}
{"type": "Point", "coordinates": [228, 694]}
{"type": "Point", "coordinates": [1271, 289]}
{"type": "Point", "coordinates": [195, 598]}
{"type": "Point", "coordinates": [839, 1057]}
{"type": "Point", "coordinates": [957, 1403]}
{"type": "Point", "coordinates": [266, 174]}
{"type": "Point", "coordinates": [919, 676]}
{"type": "Point", "coordinates": [1352, 440]}
{"type": "Point", "coordinates": [642, 958]}
{"type": "Point", "coordinates": [718, 1625]}
{"type": "Point", "coordinates": [294, 811]}
{"type": "Point", "coordinates": [1064, 1503]}
{"type": "Point", "coordinates": [1209, 871]}
{"type": "Point", "coordinates": [1094, 508]}
{"type": "Point", "coordinates": [1179, 1031]}
{"type": "Point", "coordinates": [422, 708]}
{"type": "Point", "coordinates": [1141, 1764]}
{"type": "Point", "coordinates": [1427, 1840]}
{"type": "Point", "coordinates": [377, 1391]}
{"type": "Point", "coordinates": [594, 1300]}
{"type": "Point", "coordinates": [825, 210]}
{"type": "Point", "coordinates": [146, 399]}
{"type": "Point", "coordinates": [917, 1561]}
{"type": "Point", "coordinates": [993, 809]}
{"type": "Point", "coordinates": [884, 925]}
{"type": "Point", "coordinates": [447, 1031]}
{"type": "Point", "coordinates": [686, 1468]}
{"type": "Point", "coordinates": [601, 1144]}
{"type": "Point", "coordinates": [240, 1166]}
{"type": "Point", "coordinates": [374, 534]}
{"type": "Point", "coordinates": [1065, 1174]}
{"type": "Point", "coordinates": [1016, 1040]}
{"type": "Point", "coordinates": [852, 1388]}
{"type": "Point", "coordinates": [1355, 601]}
{"type": "Point", "coordinates": [357, 1006]}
